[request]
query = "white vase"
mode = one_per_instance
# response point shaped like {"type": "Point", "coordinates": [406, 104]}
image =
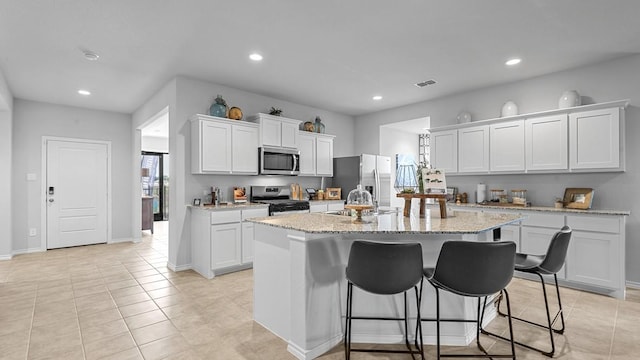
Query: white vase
{"type": "Point", "coordinates": [509, 109]}
{"type": "Point", "coordinates": [464, 117]}
{"type": "Point", "coordinates": [569, 98]}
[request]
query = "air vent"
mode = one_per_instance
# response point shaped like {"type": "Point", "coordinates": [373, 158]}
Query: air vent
{"type": "Point", "coordinates": [425, 83]}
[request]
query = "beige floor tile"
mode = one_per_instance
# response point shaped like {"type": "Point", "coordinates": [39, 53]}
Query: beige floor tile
{"type": "Point", "coordinates": [104, 330]}
{"type": "Point", "coordinates": [109, 346]}
{"type": "Point", "coordinates": [144, 273]}
{"type": "Point", "coordinates": [145, 319]}
{"type": "Point", "coordinates": [16, 325]}
{"type": "Point", "coordinates": [154, 332]}
{"type": "Point", "coordinates": [157, 285]}
{"type": "Point", "coordinates": [90, 290]}
{"type": "Point", "coordinates": [131, 354]}
{"type": "Point", "coordinates": [118, 293]}
{"type": "Point", "coordinates": [132, 299]}
{"type": "Point", "coordinates": [162, 292]}
{"type": "Point", "coordinates": [163, 348]}
{"type": "Point", "coordinates": [120, 284]}
{"type": "Point", "coordinates": [138, 308]}
{"type": "Point", "coordinates": [99, 318]}
{"type": "Point", "coordinates": [52, 345]}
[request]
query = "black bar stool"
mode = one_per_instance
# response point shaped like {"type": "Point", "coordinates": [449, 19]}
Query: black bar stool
{"type": "Point", "coordinates": [474, 269]}
{"type": "Point", "coordinates": [547, 264]}
{"type": "Point", "coordinates": [384, 269]}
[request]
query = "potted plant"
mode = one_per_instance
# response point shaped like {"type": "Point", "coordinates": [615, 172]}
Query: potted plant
{"type": "Point", "coordinates": [275, 111]}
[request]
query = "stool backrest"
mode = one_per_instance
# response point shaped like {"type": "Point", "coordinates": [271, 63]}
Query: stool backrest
{"type": "Point", "coordinates": [557, 251]}
{"type": "Point", "coordinates": [384, 268]}
{"type": "Point", "coordinates": [472, 268]}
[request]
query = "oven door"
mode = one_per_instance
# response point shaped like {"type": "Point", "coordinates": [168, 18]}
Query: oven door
{"type": "Point", "coordinates": [278, 161]}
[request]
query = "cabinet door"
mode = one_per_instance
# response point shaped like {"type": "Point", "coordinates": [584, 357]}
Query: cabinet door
{"type": "Point", "coordinates": [546, 143]}
{"type": "Point", "coordinates": [271, 132]}
{"type": "Point", "coordinates": [507, 146]}
{"type": "Point", "coordinates": [594, 139]}
{"type": "Point", "coordinates": [535, 241]}
{"type": "Point", "coordinates": [215, 150]}
{"type": "Point", "coordinates": [307, 147]}
{"type": "Point", "coordinates": [324, 156]}
{"type": "Point", "coordinates": [444, 151]}
{"type": "Point", "coordinates": [473, 149]}
{"type": "Point", "coordinates": [335, 206]}
{"type": "Point", "coordinates": [593, 259]}
{"type": "Point", "coordinates": [226, 245]}
{"type": "Point", "coordinates": [248, 235]}
{"type": "Point", "coordinates": [289, 135]}
{"type": "Point", "coordinates": [318, 208]}
{"type": "Point", "coordinates": [511, 233]}
{"type": "Point", "coordinates": [244, 150]}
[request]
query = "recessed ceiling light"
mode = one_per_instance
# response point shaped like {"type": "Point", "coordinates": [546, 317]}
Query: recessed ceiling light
{"type": "Point", "coordinates": [514, 61]}
{"type": "Point", "coordinates": [377, 97]}
{"type": "Point", "coordinates": [84, 92]}
{"type": "Point", "coordinates": [90, 55]}
{"type": "Point", "coordinates": [255, 57]}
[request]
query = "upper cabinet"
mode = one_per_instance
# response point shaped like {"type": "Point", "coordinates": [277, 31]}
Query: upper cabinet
{"type": "Point", "coordinates": [316, 154]}
{"type": "Point", "coordinates": [222, 146]}
{"type": "Point", "coordinates": [507, 146]}
{"type": "Point", "coordinates": [473, 149]}
{"type": "Point", "coordinates": [276, 130]}
{"type": "Point", "coordinates": [587, 138]}
{"type": "Point", "coordinates": [444, 150]}
{"type": "Point", "coordinates": [546, 143]}
{"type": "Point", "coordinates": [595, 139]}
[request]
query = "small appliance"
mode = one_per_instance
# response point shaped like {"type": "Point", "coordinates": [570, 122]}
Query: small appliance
{"type": "Point", "coordinates": [279, 200]}
{"type": "Point", "coordinates": [279, 161]}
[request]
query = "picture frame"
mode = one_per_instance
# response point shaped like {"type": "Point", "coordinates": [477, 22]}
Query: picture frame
{"type": "Point", "coordinates": [333, 194]}
{"type": "Point", "coordinates": [196, 202]}
{"type": "Point", "coordinates": [239, 194]}
{"type": "Point", "coordinates": [451, 193]}
{"type": "Point", "coordinates": [434, 181]}
{"type": "Point", "coordinates": [578, 198]}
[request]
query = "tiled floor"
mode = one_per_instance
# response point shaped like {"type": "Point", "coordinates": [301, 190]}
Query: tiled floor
{"type": "Point", "coordinates": [121, 302]}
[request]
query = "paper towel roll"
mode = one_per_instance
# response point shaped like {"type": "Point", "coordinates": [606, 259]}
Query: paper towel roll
{"type": "Point", "coordinates": [481, 193]}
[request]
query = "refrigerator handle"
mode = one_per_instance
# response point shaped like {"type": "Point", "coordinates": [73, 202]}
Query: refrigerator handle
{"type": "Point", "coordinates": [376, 189]}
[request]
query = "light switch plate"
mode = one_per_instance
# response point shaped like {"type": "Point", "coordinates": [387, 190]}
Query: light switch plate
{"type": "Point", "coordinates": [31, 177]}
{"type": "Point", "coordinates": [33, 232]}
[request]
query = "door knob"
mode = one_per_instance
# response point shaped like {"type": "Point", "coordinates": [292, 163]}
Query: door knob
{"type": "Point", "coordinates": [50, 200]}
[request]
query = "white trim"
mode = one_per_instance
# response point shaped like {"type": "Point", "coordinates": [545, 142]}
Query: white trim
{"type": "Point", "coordinates": [43, 179]}
{"type": "Point", "coordinates": [316, 351]}
{"type": "Point", "coordinates": [122, 240]}
{"type": "Point", "coordinates": [633, 284]}
{"type": "Point", "coordinates": [175, 268]}
{"type": "Point", "coordinates": [6, 257]}
{"type": "Point", "coordinates": [27, 251]}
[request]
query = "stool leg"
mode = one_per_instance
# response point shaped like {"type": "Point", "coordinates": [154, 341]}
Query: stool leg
{"type": "Point", "coordinates": [437, 323]}
{"type": "Point", "coordinates": [561, 330]}
{"type": "Point", "coordinates": [419, 321]}
{"type": "Point", "coordinates": [347, 325]}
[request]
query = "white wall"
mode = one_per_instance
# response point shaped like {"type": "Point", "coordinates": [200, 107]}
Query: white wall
{"type": "Point", "coordinates": [613, 80]}
{"type": "Point", "coordinates": [392, 142]}
{"type": "Point", "coordinates": [155, 144]}
{"type": "Point", "coordinates": [6, 125]}
{"type": "Point", "coordinates": [34, 120]}
{"type": "Point", "coordinates": [186, 97]}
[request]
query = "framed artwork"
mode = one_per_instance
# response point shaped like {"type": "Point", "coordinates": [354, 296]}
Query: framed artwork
{"type": "Point", "coordinates": [333, 193]}
{"type": "Point", "coordinates": [239, 195]}
{"type": "Point", "coordinates": [451, 193]}
{"type": "Point", "coordinates": [434, 181]}
{"type": "Point", "coordinates": [578, 198]}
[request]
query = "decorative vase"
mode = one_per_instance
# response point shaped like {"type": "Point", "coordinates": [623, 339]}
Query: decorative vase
{"type": "Point", "coordinates": [569, 98]}
{"type": "Point", "coordinates": [218, 110]}
{"type": "Point", "coordinates": [308, 126]}
{"type": "Point", "coordinates": [509, 109]}
{"type": "Point", "coordinates": [319, 126]}
{"type": "Point", "coordinates": [235, 113]}
{"type": "Point", "coordinates": [464, 117]}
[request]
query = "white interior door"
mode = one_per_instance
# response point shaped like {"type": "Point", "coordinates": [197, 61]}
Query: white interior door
{"type": "Point", "coordinates": [76, 193]}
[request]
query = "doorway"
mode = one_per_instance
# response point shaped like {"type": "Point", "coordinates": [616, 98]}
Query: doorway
{"type": "Point", "coordinates": [154, 168]}
{"type": "Point", "coordinates": [76, 189]}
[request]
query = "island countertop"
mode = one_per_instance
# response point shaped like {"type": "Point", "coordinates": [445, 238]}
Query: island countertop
{"type": "Point", "coordinates": [458, 222]}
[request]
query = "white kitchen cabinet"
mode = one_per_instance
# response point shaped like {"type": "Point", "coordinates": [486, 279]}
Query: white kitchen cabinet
{"type": "Point", "coordinates": [597, 251]}
{"type": "Point", "coordinates": [335, 205]}
{"type": "Point", "coordinates": [321, 206]}
{"type": "Point", "coordinates": [277, 131]}
{"type": "Point", "coordinates": [316, 154]}
{"type": "Point", "coordinates": [511, 233]}
{"type": "Point", "coordinates": [546, 143]}
{"type": "Point", "coordinates": [507, 146]}
{"type": "Point", "coordinates": [473, 149]}
{"type": "Point", "coordinates": [315, 207]}
{"type": "Point", "coordinates": [535, 241]}
{"type": "Point", "coordinates": [244, 149]}
{"type": "Point", "coordinates": [222, 241]}
{"type": "Point", "coordinates": [444, 151]}
{"type": "Point", "coordinates": [222, 146]}
{"type": "Point", "coordinates": [594, 139]}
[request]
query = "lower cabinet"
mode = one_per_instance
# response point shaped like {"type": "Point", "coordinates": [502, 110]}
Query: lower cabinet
{"type": "Point", "coordinates": [324, 206]}
{"type": "Point", "coordinates": [596, 256]}
{"type": "Point", "coordinates": [222, 241]}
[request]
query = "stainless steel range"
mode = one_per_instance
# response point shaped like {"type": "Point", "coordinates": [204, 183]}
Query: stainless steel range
{"type": "Point", "coordinates": [278, 198]}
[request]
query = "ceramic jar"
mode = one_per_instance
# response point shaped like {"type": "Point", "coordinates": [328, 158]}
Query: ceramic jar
{"type": "Point", "coordinates": [319, 126]}
{"type": "Point", "coordinates": [509, 109]}
{"type": "Point", "coordinates": [569, 98]}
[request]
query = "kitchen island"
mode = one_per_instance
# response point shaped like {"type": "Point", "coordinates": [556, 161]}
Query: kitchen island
{"type": "Point", "coordinates": [300, 286]}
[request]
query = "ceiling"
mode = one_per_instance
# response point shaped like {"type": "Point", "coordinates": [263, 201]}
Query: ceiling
{"type": "Point", "coordinates": [329, 54]}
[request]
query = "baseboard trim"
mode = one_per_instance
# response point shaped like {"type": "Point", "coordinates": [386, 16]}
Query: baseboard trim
{"type": "Point", "coordinates": [175, 268]}
{"type": "Point", "coordinates": [633, 284]}
{"type": "Point", "coordinates": [28, 251]}
{"type": "Point", "coordinates": [316, 351]}
{"type": "Point", "coordinates": [6, 257]}
{"type": "Point", "coordinates": [121, 240]}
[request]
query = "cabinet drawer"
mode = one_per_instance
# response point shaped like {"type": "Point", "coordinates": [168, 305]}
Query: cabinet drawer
{"type": "Point", "coordinates": [554, 221]}
{"type": "Point", "coordinates": [334, 206]}
{"type": "Point", "coordinates": [594, 223]}
{"type": "Point", "coordinates": [224, 217]}
{"type": "Point", "coordinates": [253, 213]}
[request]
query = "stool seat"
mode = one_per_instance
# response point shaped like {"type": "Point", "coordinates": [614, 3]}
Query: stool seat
{"type": "Point", "coordinates": [529, 263]}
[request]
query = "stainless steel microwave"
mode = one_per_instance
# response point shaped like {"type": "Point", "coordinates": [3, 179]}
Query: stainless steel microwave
{"type": "Point", "coordinates": [279, 161]}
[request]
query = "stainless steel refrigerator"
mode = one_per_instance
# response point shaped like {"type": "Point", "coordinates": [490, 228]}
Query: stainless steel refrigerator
{"type": "Point", "coordinates": [372, 171]}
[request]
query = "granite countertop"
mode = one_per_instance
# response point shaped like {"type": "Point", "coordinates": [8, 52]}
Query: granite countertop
{"type": "Point", "coordinates": [228, 206]}
{"type": "Point", "coordinates": [458, 222]}
{"type": "Point", "coordinates": [544, 209]}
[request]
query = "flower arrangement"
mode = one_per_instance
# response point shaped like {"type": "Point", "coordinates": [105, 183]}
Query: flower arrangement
{"type": "Point", "coordinates": [419, 167]}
